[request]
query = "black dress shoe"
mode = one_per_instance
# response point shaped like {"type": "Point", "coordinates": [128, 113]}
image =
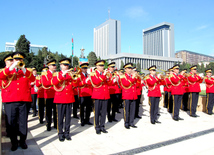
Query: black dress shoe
{"type": "Point", "coordinates": [68, 138]}
{"type": "Point", "coordinates": [82, 124]}
{"type": "Point", "coordinates": [41, 122]}
{"type": "Point", "coordinates": [89, 123]}
{"type": "Point", "coordinates": [76, 117]}
{"type": "Point", "coordinates": [180, 119]}
{"type": "Point", "coordinates": [209, 113]}
{"type": "Point", "coordinates": [194, 115]}
{"type": "Point", "coordinates": [138, 117]}
{"type": "Point", "coordinates": [98, 132]}
{"type": "Point", "coordinates": [133, 126]}
{"type": "Point", "coordinates": [153, 122]}
{"type": "Point", "coordinates": [175, 119]}
{"type": "Point", "coordinates": [114, 120]}
{"type": "Point", "coordinates": [14, 147]}
{"type": "Point", "coordinates": [34, 115]}
{"type": "Point", "coordinates": [61, 138]}
{"type": "Point", "coordinates": [127, 127]}
{"type": "Point", "coordinates": [157, 122]}
{"type": "Point", "coordinates": [23, 145]}
{"type": "Point", "coordinates": [48, 128]}
{"type": "Point", "coordinates": [158, 114]}
{"type": "Point", "coordinates": [104, 131]}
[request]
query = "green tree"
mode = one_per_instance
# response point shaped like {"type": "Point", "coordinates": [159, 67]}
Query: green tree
{"type": "Point", "coordinates": [121, 64]}
{"type": "Point", "coordinates": [75, 61]}
{"type": "Point", "coordinates": [138, 67]}
{"type": "Point", "coordinates": [23, 45]}
{"type": "Point", "coordinates": [92, 58]}
{"type": "Point", "coordinates": [2, 55]}
{"type": "Point", "coordinates": [106, 64]}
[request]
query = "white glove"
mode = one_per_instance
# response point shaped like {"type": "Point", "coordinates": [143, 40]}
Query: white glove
{"type": "Point", "coordinates": [105, 72]}
{"type": "Point", "coordinates": [23, 69]}
{"type": "Point", "coordinates": [65, 72]}
{"type": "Point", "coordinates": [13, 65]}
{"type": "Point", "coordinates": [114, 80]}
{"type": "Point", "coordinates": [86, 80]}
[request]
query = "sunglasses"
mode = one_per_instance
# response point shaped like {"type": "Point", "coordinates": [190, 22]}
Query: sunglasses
{"type": "Point", "coordinates": [54, 65]}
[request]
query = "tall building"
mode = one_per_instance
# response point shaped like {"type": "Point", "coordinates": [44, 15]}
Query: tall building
{"type": "Point", "coordinates": [193, 57]}
{"type": "Point", "coordinates": [158, 40]}
{"type": "Point", "coordinates": [107, 38]}
{"type": "Point", "coordinates": [33, 48]}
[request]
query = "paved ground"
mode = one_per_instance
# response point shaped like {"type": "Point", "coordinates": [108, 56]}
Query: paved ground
{"type": "Point", "coordinates": [191, 136]}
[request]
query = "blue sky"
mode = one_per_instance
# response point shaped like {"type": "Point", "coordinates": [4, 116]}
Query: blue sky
{"type": "Point", "coordinates": [52, 22]}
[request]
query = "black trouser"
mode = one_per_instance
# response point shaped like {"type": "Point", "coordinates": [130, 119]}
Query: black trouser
{"type": "Point", "coordinates": [209, 103]}
{"type": "Point", "coordinates": [112, 106]}
{"type": "Point", "coordinates": [75, 105]}
{"type": "Point", "coordinates": [154, 107]}
{"type": "Point", "coordinates": [166, 102]}
{"type": "Point", "coordinates": [176, 105]}
{"type": "Point", "coordinates": [63, 111]}
{"type": "Point", "coordinates": [85, 105]}
{"type": "Point", "coordinates": [41, 106]}
{"type": "Point", "coordinates": [170, 102]}
{"type": "Point", "coordinates": [6, 121]}
{"type": "Point", "coordinates": [193, 102]}
{"type": "Point", "coordinates": [49, 107]}
{"type": "Point", "coordinates": [185, 101]}
{"type": "Point", "coordinates": [100, 114]}
{"type": "Point", "coordinates": [129, 112]}
{"type": "Point", "coordinates": [34, 98]}
{"type": "Point", "coordinates": [17, 119]}
{"type": "Point", "coordinates": [137, 105]}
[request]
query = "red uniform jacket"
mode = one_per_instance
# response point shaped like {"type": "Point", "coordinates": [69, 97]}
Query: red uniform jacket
{"type": "Point", "coordinates": [32, 90]}
{"type": "Point", "coordinates": [48, 85]}
{"type": "Point", "coordinates": [177, 85]}
{"type": "Point", "coordinates": [64, 88]}
{"type": "Point", "coordinates": [16, 85]}
{"type": "Point", "coordinates": [185, 85]}
{"type": "Point", "coordinates": [40, 93]}
{"type": "Point", "coordinates": [100, 86]}
{"type": "Point", "coordinates": [209, 84]}
{"type": "Point", "coordinates": [153, 84]}
{"type": "Point", "coordinates": [168, 84]}
{"type": "Point", "coordinates": [113, 86]}
{"type": "Point", "coordinates": [129, 91]}
{"type": "Point", "coordinates": [139, 86]}
{"type": "Point", "coordinates": [194, 82]}
{"type": "Point", "coordinates": [85, 89]}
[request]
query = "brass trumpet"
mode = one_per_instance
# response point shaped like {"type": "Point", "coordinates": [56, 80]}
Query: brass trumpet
{"type": "Point", "coordinates": [75, 75]}
{"type": "Point", "coordinates": [21, 64]}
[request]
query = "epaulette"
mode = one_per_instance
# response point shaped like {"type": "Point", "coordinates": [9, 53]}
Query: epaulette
{"type": "Point", "coordinates": [122, 76]}
{"type": "Point", "coordinates": [146, 77]}
{"type": "Point", "coordinates": [171, 75]}
{"type": "Point", "coordinates": [55, 73]}
{"type": "Point", "coordinates": [38, 77]}
{"type": "Point", "coordinates": [29, 69]}
{"type": "Point", "coordinates": [44, 73]}
{"type": "Point", "coordinates": [92, 73]}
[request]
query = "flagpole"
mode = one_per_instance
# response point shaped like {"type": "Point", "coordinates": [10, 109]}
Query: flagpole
{"type": "Point", "coordinates": [72, 50]}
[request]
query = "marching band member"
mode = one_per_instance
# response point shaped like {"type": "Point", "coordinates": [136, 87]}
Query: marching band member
{"type": "Point", "coordinates": [99, 81]}
{"type": "Point", "coordinates": [154, 93]}
{"type": "Point", "coordinates": [176, 91]}
{"type": "Point", "coordinates": [64, 97]}
{"type": "Point", "coordinates": [169, 85]}
{"type": "Point", "coordinates": [120, 72]}
{"type": "Point", "coordinates": [85, 92]}
{"type": "Point", "coordinates": [40, 96]}
{"type": "Point", "coordinates": [194, 81]}
{"type": "Point", "coordinates": [165, 89]}
{"type": "Point", "coordinates": [49, 94]}
{"type": "Point", "coordinates": [75, 90]}
{"type": "Point", "coordinates": [186, 92]}
{"type": "Point", "coordinates": [139, 92]}
{"type": "Point", "coordinates": [114, 91]}
{"type": "Point", "coordinates": [209, 80]}
{"type": "Point", "coordinates": [8, 62]}
{"type": "Point", "coordinates": [33, 93]}
{"type": "Point", "coordinates": [129, 94]}
{"type": "Point", "coordinates": [16, 97]}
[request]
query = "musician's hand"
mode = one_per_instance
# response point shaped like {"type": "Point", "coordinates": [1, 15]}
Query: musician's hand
{"type": "Point", "coordinates": [14, 65]}
{"type": "Point", "coordinates": [182, 72]}
{"type": "Point", "coordinates": [65, 72]}
{"type": "Point", "coordinates": [23, 69]}
{"type": "Point", "coordinates": [114, 80]}
{"type": "Point", "coordinates": [105, 72]}
{"type": "Point", "coordinates": [86, 81]}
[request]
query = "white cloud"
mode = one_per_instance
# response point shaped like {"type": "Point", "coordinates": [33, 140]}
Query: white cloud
{"type": "Point", "coordinates": [201, 27]}
{"type": "Point", "coordinates": [136, 12]}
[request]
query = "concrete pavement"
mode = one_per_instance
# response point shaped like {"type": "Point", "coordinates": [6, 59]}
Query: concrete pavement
{"type": "Point", "coordinates": [191, 136]}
